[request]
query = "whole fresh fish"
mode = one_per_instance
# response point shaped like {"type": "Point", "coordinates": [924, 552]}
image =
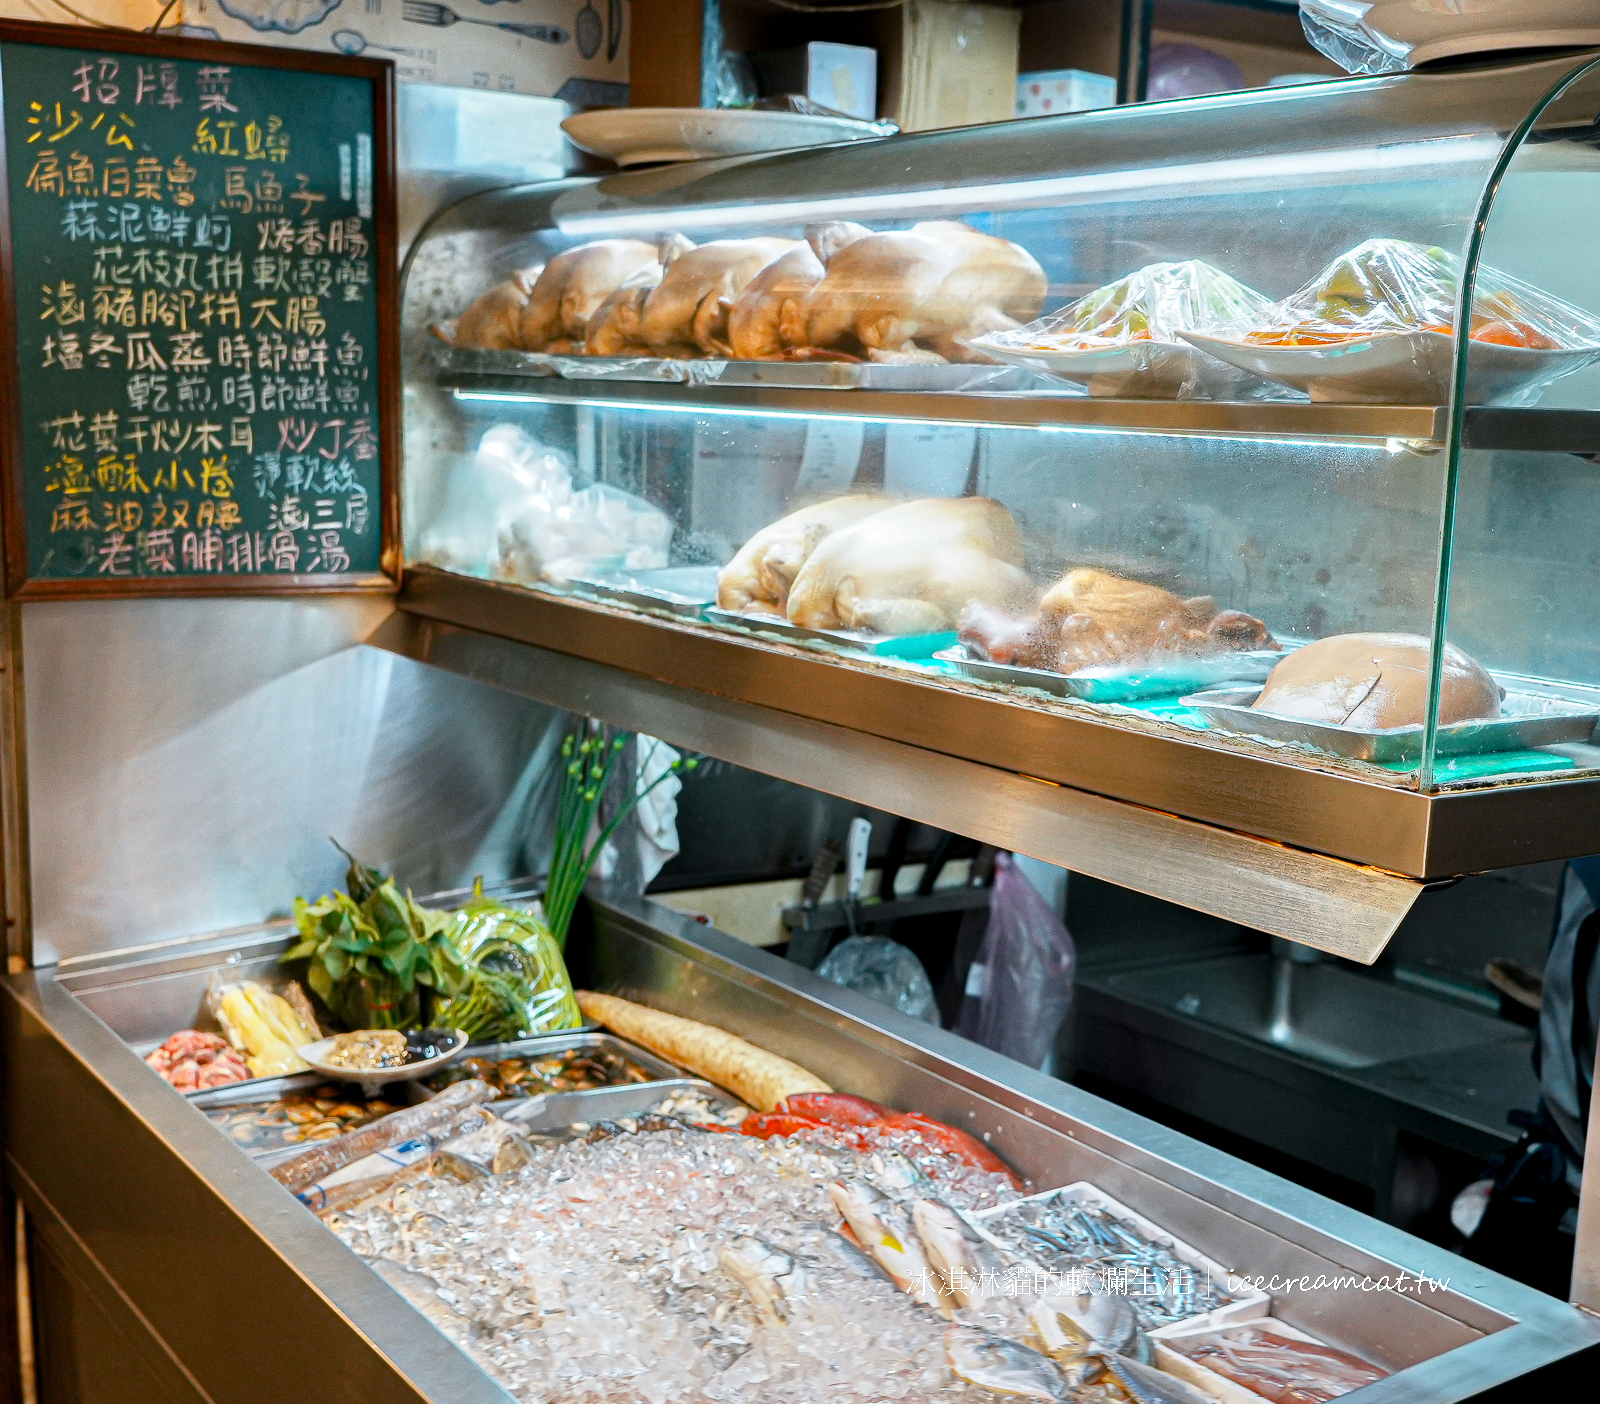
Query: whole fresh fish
{"type": "Point", "coordinates": [885, 1231]}
{"type": "Point", "coordinates": [967, 1267]}
{"type": "Point", "coordinates": [1147, 1385]}
{"type": "Point", "coordinates": [769, 1275]}
{"type": "Point", "coordinates": [1002, 1366]}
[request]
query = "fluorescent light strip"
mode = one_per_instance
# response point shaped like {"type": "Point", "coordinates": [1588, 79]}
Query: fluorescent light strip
{"type": "Point", "coordinates": [1227, 177]}
{"type": "Point", "coordinates": [1390, 446]}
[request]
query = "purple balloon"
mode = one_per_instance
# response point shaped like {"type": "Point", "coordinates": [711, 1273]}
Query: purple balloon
{"type": "Point", "coordinates": [1187, 70]}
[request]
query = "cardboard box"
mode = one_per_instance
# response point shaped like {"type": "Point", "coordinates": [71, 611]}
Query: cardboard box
{"type": "Point", "coordinates": [841, 76]}
{"type": "Point", "coordinates": [575, 50]}
{"type": "Point", "coordinates": [1063, 90]}
{"type": "Point", "coordinates": [955, 65]}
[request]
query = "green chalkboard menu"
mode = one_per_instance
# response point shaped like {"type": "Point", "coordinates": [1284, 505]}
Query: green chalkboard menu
{"type": "Point", "coordinates": [199, 271]}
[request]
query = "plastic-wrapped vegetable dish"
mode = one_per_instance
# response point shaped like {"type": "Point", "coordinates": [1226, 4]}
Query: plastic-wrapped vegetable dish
{"type": "Point", "coordinates": [1124, 339]}
{"type": "Point", "coordinates": [569, 1070]}
{"type": "Point", "coordinates": [1388, 285]}
{"type": "Point", "coordinates": [1377, 326]}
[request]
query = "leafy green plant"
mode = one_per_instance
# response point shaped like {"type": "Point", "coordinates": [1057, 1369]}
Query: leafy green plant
{"type": "Point", "coordinates": [587, 760]}
{"type": "Point", "coordinates": [372, 953]}
{"type": "Point", "coordinates": [519, 983]}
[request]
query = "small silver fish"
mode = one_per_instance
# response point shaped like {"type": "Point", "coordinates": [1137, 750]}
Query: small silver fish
{"type": "Point", "coordinates": [1002, 1366]}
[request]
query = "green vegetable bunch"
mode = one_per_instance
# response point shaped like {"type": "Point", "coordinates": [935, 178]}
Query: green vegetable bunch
{"type": "Point", "coordinates": [587, 760]}
{"type": "Point", "coordinates": [372, 953]}
{"type": "Point", "coordinates": [519, 983]}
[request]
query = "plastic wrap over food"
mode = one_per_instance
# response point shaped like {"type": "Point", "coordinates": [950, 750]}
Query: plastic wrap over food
{"type": "Point", "coordinates": [1154, 303]}
{"type": "Point", "coordinates": [515, 515]}
{"type": "Point", "coordinates": [1125, 338]}
{"type": "Point", "coordinates": [1391, 286]}
{"type": "Point", "coordinates": [433, 1121]}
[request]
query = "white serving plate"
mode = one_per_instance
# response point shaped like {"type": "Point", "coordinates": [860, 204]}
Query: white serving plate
{"type": "Point", "coordinates": [373, 1078]}
{"type": "Point", "coordinates": [1147, 370]}
{"type": "Point", "coordinates": [639, 136]}
{"type": "Point", "coordinates": [1398, 368]}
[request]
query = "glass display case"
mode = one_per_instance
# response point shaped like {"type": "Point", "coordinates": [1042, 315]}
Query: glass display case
{"type": "Point", "coordinates": [1145, 450]}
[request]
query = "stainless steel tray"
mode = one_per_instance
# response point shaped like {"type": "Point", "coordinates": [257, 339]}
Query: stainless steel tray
{"type": "Point", "coordinates": [1525, 721]}
{"type": "Point", "coordinates": [685, 590]}
{"type": "Point", "coordinates": [807, 375]}
{"type": "Point", "coordinates": [1119, 683]}
{"type": "Point", "coordinates": [560, 1111]}
{"type": "Point", "coordinates": [588, 1040]}
{"type": "Point", "coordinates": [880, 645]}
{"type": "Point", "coordinates": [269, 1089]}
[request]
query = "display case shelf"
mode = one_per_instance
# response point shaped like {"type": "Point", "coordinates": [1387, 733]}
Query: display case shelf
{"type": "Point", "coordinates": [1289, 419]}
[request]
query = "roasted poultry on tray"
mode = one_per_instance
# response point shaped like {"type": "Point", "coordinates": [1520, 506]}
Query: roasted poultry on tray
{"type": "Point", "coordinates": [842, 293]}
{"type": "Point", "coordinates": [1090, 618]}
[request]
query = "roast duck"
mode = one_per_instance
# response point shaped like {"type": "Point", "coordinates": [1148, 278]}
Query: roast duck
{"type": "Point", "coordinates": [881, 565]}
{"type": "Point", "coordinates": [1092, 618]}
{"type": "Point", "coordinates": [842, 293]}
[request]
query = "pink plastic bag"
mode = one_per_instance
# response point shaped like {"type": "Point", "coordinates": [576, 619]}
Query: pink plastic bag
{"type": "Point", "coordinates": [1019, 989]}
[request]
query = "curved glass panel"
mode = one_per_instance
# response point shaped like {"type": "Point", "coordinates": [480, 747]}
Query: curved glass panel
{"type": "Point", "coordinates": [1129, 407]}
{"type": "Point", "coordinates": [1523, 560]}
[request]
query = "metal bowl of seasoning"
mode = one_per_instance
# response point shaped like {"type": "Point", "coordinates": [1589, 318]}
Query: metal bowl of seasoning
{"type": "Point", "coordinates": [376, 1057]}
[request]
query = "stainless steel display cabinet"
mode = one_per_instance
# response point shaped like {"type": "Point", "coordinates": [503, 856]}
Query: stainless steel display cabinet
{"type": "Point", "coordinates": [1446, 494]}
{"type": "Point", "coordinates": [168, 1266]}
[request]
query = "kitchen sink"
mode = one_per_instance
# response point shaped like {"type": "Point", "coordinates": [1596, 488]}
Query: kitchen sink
{"type": "Point", "coordinates": [1319, 1011]}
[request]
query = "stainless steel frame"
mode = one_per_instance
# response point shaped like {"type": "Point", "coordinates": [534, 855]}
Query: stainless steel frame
{"type": "Point", "coordinates": [132, 1184]}
{"type": "Point", "coordinates": [1338, 906]}
{"type": "Point", "coordinates": [1318, 806]}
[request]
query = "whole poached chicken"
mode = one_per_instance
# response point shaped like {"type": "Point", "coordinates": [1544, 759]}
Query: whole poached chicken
{"type": "Point", "coordinates": [573, 285]}
{"type": "Point", "coordinates": [929, 288]}
{"type": "Point", "coordinates": [758, 579]}
{"type": "Point", "coordinates": [1091, 618]}
{"type": "Point", "coordinates": [494, 321]}
{"type": "Point", "coordinates": [772, 316]}
{"type": "Point", "coordinates": [688, 310]}
{"type": "Point", "coordinates": [913, 568]}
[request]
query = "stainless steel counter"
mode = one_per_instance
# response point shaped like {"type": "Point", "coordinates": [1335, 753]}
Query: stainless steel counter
{"type": "Point", "coordinates": [169, 1267]}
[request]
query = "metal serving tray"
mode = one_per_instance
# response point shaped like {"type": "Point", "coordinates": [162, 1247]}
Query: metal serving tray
{"type": "Point", "coordinates": [685, 590]}
{"type": "Point", "coordinates": [544, 1044]}
{"type": "Point", "coordinates": [880, 645]}
{"type": "Point", "coordinates": [561, 1111]}
{"type": "Point", "coordinates": [1117, 683]}
{"type": "Point", "coordinates": [805, 375]}
{"type": "Point", "coordinates": [1525, 721]}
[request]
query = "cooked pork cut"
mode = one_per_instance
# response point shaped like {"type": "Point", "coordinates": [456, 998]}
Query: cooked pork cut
{"type": "Point", "coordinates": [932, 287]}
{"type": "Point", "coordinates": [574, 284]}
{"type": "Point", "coordinates": [494, 321]}
{"type": "Point", "coordinates": [688, 312]}
{"type": "Point", "coordinates": [1377, 680]}
{"type": "Point", "coordinates": [758, 578]}
{"type": "Point", "coordinates": [912, 568]}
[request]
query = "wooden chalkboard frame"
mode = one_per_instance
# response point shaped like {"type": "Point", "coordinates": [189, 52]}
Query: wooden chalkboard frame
{"type": "Point", "coordinates": [386, 281]}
